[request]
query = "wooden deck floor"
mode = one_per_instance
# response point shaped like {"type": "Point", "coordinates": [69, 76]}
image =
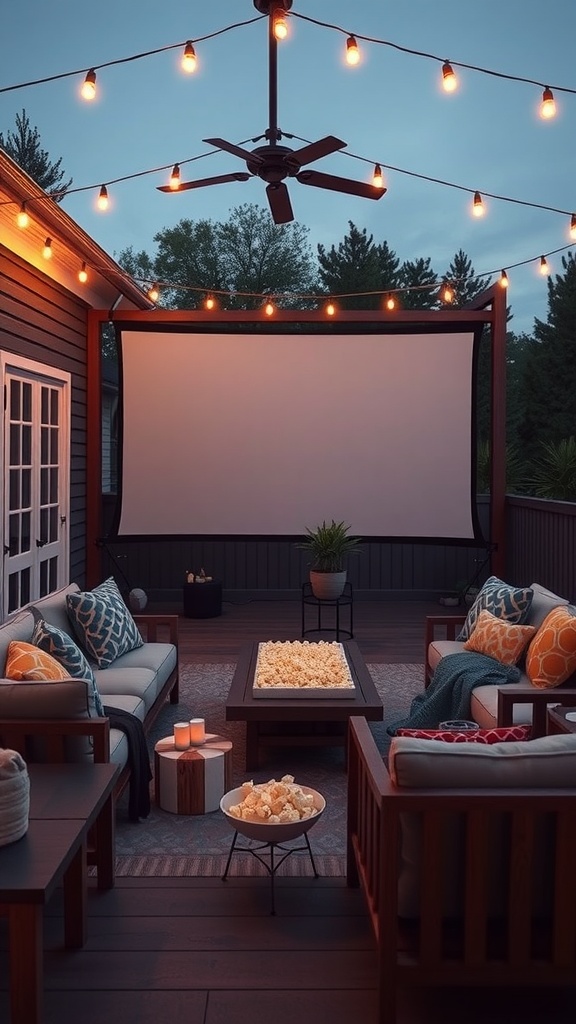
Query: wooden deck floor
{"type": "Point", "coordinates": [203, 951]}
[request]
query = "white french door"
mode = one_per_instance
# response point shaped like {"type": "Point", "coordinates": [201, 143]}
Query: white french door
{"type": "Point", "coordinates": [36, 472]}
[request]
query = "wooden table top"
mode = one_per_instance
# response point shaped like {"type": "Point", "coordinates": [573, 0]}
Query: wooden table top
{"type": "Point", "coordinates": [241, 705]}
{"type": "Point", "coordinates": [70, 790]}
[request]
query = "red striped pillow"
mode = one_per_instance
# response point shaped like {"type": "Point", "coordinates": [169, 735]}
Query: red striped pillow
{"type": "Point", "coordinates": [503, 734]}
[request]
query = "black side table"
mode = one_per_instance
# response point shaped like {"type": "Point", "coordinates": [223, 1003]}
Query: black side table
{"type": "Point", "coordinates": [202, 600]}
{"type": "Point", "coordinates": [346, 600]}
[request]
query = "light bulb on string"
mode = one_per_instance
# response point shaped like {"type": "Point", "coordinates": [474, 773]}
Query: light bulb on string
{"type": "Point", "coordinates": [209, 302]}
{"type": "Point", "coordinates": [47, 250]}
{"type": "Point", "coordinates": [503, 279]}
{"type": "Point", "coordinates": [544, 266]}
{"type": "Point", "coordinates": [573, 226]}
{"type": "Point", "coordinates": [548, 105]}
{"type": "Point", "coordinates": [154, 293]}
{"type": "Point", "coordinates": [22, 218]}
{"type": "Point", "coordinates": [352, 51]}
{"type": "Point", "coordinates": [175, 178]}
{"type": "Point", "coordinates": [102, 201]}
{"type": "Point", "coordinates": [378, 177]}
{"type": "Point", "coordinates": [449, 80]}
{"type": "Point", "coordinates": [83, 274]}
{"type": "Point", "coordinates": [88, 90]}
{"type": "Point", "coordinates": [330, 309]}
{"type": "Point", "coordinates": [390, 303]}
{"type": "Point", "coordinates": [269, 308]}
{"type": "Point", "coordinates": [189, 59]}
{"type": "Point", "coordinates": [478, 205]}
{"type": "Point", "coordinates": [447, 293]}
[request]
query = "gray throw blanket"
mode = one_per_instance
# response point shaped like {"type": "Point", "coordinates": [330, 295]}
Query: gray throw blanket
{"type": "Point", "coordinates": [448, 694]}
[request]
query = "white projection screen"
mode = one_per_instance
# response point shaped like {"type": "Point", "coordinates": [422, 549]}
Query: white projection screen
{"type": "Point", "coordinates": [238, 434]}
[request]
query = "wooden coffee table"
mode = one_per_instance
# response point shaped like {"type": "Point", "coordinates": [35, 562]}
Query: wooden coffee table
{"type": "Point", "coordinates": [557, 721]}
{"type": "Point", "coordinates": [293, 721]}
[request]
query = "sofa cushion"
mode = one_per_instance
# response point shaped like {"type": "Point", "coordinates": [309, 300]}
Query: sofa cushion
{"type": "Point", "coordinates": [102, 623]}
{"type": "Point", "coordinates": [505, 734]}
{"type": "Point", "coordinates": [543, 602]}
{"type": "Point", "coordinates": [549, 761]}
{"type": "Point", "coordinates": [17, 627]}
{"type": "Point", "coordinates": [505, 641]}
{"type": "Point", "coordinates": [52, 608]}
{"type": "Point", "coordinates": [138, 683]}
{"type": "Point", "coordinates": [439, 648]}
{"type": "Point", "coordinates": [62, 647]}
{"type": "Point", "coordinates": [502, 600]}
{"type": "Point", "coordinates": [26, 661]}
{"type": "Point", "coordinates": [40, 699]}
{"type": "Point", "coordinates": [551, 656]}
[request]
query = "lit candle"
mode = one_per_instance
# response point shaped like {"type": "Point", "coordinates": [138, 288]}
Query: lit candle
{"type": "Point", "coordinates": [181, 736]}
{"type": "Point", "coordinates": [197, 731]}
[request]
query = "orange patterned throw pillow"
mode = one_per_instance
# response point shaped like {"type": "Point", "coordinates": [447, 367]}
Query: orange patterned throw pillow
{"type": "Point", "coordinates": [551, 657]}
{"type": "Point", "coordinates": [25, 661]}
{"type": "Point", "coordinates": [499, 638]}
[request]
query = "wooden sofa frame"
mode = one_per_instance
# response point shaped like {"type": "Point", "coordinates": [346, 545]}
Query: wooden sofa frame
{"type": "Point", "coordinates": [446, 627]}
{"type": "Point", "coordinates": [474, 950]}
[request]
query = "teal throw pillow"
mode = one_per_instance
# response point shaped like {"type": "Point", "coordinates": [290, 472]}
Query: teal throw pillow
{"type": "Point", "coordinates": [501, 600]}
{"type": "Point", "coordinates": [102, 623]}
{"type": "Point", "coordinates": [57, 643]}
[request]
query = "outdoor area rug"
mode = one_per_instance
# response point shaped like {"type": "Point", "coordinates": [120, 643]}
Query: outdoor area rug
{"type": "Point", "coordinates": [198, 845]}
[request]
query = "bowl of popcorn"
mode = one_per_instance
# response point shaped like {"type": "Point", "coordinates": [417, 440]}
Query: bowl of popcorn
{"type": "Point", "coordinates": [273, 811]}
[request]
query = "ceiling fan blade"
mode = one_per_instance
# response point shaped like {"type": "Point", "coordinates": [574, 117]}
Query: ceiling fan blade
{"type": "Point", "coordinates": [220, 179]}
{"type": "Point", "coordinates": [280, 205]}
{"type": "Point", "coordinates": [229, 147]}
{"type": "Point", "coordinates": [325, 146]}
{"type": "Point", "coordinates": [353, 188]}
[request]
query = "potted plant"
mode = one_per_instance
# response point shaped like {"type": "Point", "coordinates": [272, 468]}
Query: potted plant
{"type": "Point", "coordinates": [329, 544]}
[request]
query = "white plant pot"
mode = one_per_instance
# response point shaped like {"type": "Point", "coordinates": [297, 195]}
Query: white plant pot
{"type": "Point", "coordinates": [327, 586]}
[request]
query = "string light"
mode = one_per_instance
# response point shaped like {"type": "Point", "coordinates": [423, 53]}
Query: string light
{"type": "Point", "coordinates": [447, 293]}
{"type": "Point", "coordinates": [154, 293]}
{"type": "Point", "coordinates": [47, 250]}
{"type": "Point", "coordinates": [478, 205]}
{"type": "Point", "coordinates": [88, 89]}
{"type": "Point", "coordinates": [330, 309]}
{"type": "Point", "coordinates": [269, 308]}
{"type": "Point", "coordinates": [548, 105]}
{"type": "Point", "coordinates": [378, 177]}
{"type": "Point", "coordinates": [503, 279]}
{"type": "Point", "coordinates": [352, 51]}
{"type": "Point", "coordinates": [544, 266]}
{"type": "Point", "coordinates": [189, 60]}
{"type": "Point", "coordinates": [390, 303]}
{"type": "Point", "coordinates": [22, 218]}
{"type": "Point", "coordinates": [83, 274]}
{"type": "Point", "coordinates": [279, 25]}
{"type": "Point", "coordinates": [175, 178]}
{"type": "Point", "coordinates": [209, 302]}
{"type": "Point", "coordinates": [449, 80]}
{"type": "Point", "coordinates": [573, 226]}
{"type": "Point", "coordinates": [102, 201]}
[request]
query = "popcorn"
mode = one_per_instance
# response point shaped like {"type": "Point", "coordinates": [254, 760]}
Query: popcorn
{"type": "Point", "coordinates": [273, 802]}
{"type": "Point", "coordinates": [302, 664]}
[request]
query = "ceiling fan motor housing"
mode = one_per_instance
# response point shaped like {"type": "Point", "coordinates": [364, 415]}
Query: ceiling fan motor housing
{"type": "Point", "coordinates": [264, 5]}
{"type": "Point", "coordinates": [272, 163]}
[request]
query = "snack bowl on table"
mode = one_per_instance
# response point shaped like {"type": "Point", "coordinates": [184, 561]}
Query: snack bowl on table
{"type": "Point", "coordinates": [271, 832]}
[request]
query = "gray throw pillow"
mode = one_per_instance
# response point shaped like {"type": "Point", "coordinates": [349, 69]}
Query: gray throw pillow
{"type": "Point", "coordinates": [102, 623]}
{"type": "Point", "coordinates": [57, 643]}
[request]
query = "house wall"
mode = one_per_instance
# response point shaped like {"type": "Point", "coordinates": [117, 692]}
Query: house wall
{"type": "Point", "coordinates": [42, 321]}
{"type": "Point", "coordinates": [541, 544]}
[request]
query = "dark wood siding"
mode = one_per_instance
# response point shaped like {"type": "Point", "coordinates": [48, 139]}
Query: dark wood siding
{"type": "Point", "coordinates": [41, 321]}
{"type": "Point", "coordinates": [541, 544]}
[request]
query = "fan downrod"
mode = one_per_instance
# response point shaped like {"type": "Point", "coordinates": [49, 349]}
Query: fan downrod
{"type": "Point", "coordinates": [264, 5]}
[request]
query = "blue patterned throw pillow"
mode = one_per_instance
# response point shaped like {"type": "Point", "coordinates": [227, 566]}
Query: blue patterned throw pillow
{"type": "Point", "coordinates": [53, 641]}
{"type": "Point", "coordinates": [102, 623]}
{"type": "Point", "coordinates": [501, 600]}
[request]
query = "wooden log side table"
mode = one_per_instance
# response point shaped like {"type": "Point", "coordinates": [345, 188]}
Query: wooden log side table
{"type": "Point", "coordinates": [557, 721]}
{"type": "Point", "coordinates": [202, 600]}
{"type": "Point", "coordinates": [192, 781]}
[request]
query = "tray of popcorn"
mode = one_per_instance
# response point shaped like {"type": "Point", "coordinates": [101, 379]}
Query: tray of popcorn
{"type": "Point", "coordinates": [273, 811]}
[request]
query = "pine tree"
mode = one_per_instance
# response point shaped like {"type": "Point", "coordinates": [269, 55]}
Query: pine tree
{"type": "Point", "coordinates": [23, 146]}
{"type": "Point", "coordinates": [351, 268]}
{"type": "Point", "coordinates": [417, 279]}
{"type": "Point", "coordinates": [465, 283]}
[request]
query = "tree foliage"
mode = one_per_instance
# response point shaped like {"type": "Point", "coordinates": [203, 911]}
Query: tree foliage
{"type": "Point", "coordinates": [465, 283]}
{"type": "Point", "coordinates": [23, 146]}
{"type": "Point", "coordinates": [352, 270]}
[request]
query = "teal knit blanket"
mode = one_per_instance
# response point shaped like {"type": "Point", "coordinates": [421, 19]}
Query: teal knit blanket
{"type": "Point", "coordinates": [449, 691]}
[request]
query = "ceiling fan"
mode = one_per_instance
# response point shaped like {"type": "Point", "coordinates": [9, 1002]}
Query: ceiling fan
{"type": "Point", "coordinates": [274, 162]}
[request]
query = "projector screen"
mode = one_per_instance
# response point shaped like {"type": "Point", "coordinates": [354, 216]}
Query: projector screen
{"type": "Point", "coordinates": [238, 434]}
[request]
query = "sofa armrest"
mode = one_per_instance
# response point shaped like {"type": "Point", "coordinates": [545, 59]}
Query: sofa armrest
{"type": "Point", "coordinates": [539, 699]}
{"type": "Point", "coordinates": [17, 733]}
{"type": "Point", "coordinates": [435, 627]}
{"type": "Point", "coordinates": [158, 628]}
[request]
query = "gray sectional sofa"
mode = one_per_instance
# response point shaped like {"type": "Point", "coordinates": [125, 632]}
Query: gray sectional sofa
{"type": "Point", "coordinates": [515, 703]}
{"type": "Point", "coordinates": [60, 719]}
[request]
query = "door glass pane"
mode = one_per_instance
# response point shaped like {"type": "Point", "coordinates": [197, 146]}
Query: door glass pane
{"type": "Point", "coordinates": [14, 444]}
{"type": "Point", "coordinates": [53, 574]}
{"type": "Point", "coordinates": [26, 482]}
{"type": "Point", "coordinates": [53, 519]}
{"type": "Point", "coordinates": [13, 591]}
{"type": "Point", "coordinates": [44, 406]}
{"type": "Point", "coordinates": [26, 525]}
{"type": "Point", "coordinates": [43, 446]}
{"type": "Point", "coordinates": [14, 527]}
{"type": "Point", "coordinates": [14, 490]}
{"type": "Point", "coordinates": [54, 445]}
{"type": "Point", "coordinates": [27, 403]}
{"type": "Point", "coordinates": [44, 486]}
{"type": "Point", "coordinates": [54, 494]}
{"type": "Point", "coordinates": [26, 446]}
{"type": "Point", "coordinates": [15, 393]}
{"type": "Point", "coordinates": [54, 407]}
{"type": "Point", "coordinates": [24, 586]}
{"type": "Point", "coordinates": [43, 524]}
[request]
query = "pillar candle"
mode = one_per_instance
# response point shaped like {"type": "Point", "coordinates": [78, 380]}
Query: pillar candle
{"type": "Point", "coordinates": [181, 736]}
{"type": "Point", "coordinates": [197, 730]}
